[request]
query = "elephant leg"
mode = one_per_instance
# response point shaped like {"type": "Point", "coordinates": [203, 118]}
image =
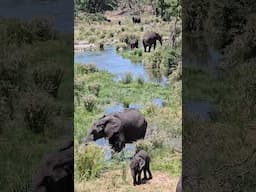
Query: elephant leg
{"type": "Point", "coordinates": [134, 177]}
{"type": "Point", "coordinates": [149, 172]}
{"type": "Point", "coordinates": [145, 174]}
{"type": "Point", "coordinates": [154, 46]}
{"type": "Point", "coordinates": [145, 47]}
{"type": "Point", "coordinates": [139, 177]}
{"type": "Point", "coordinates": [149, 48]}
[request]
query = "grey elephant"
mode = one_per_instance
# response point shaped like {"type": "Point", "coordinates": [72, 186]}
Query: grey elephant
{"type": "Point", "coordinates": [179, 186]}
{"type": "Point", "coordinates": [136, 19]}
{"type": "Point", "coordinates": [149, 39]}
{"type": "Point", "coordinates": [140, 162]}
{"type": "Point", "coordinates": [119, 128]}
{"type": "Point", "coordinates": [134, 43]}
{"type": "Point", "coordinates": [55, 171]}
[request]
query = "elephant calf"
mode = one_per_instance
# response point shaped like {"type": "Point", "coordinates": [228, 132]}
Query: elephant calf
{"type": "Point", "coordinates": [134, 43]}
{"type": "Point", "coordinates": [140, 162]}
{"type": "Point", "coordinates": [136, 19]}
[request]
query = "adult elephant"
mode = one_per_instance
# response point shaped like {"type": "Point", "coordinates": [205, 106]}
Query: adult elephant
{"type": "Point", "coordinates": [149, 39]}
{"type": "Point", "coordinates": [119, 128]}
{"type": "Point", "coordinates": [55, 171]}
{"type": "Point", "coordinates": [136, 19]}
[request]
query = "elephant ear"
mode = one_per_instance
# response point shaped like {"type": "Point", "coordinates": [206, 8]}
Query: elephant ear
{"type": "Point", "coordinates": [141, 163]}
{"type": "Point", "coordinates": [113, 126]}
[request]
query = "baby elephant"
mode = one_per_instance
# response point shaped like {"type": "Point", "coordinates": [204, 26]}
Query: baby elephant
{"type": "Point", "coordinates": [140, 162]}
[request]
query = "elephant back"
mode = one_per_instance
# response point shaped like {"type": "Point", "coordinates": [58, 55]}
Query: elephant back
{"type": "Point", "coordinates": [134, 124]}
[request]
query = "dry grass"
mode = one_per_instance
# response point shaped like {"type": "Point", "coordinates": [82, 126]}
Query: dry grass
{"type": "Point", "coordinates": [112, 182]}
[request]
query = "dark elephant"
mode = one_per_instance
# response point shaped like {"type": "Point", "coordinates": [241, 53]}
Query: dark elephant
{"type": "Point", "coordinates": [108, 20]}
{"type": "Point", "coordinates": [136, 19]}
{"type": "Point", "coordinates": [55, 172]}
{"type": "Point", "coordinates": [119, 128]}
{"type": "Point", "coordinates": [150, 39]}
{"type": "Point", "coordinates": [179, 186]}
{"type": "Point", "coordinates": [134, 43]}
{"type": "Point", "coordinates": [140, 162]}
{"type": "Point", "coordinates": [119, 22]}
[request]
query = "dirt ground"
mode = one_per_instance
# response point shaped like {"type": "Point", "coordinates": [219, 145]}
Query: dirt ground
{"type": "Point", "coordinates": [112, 182]}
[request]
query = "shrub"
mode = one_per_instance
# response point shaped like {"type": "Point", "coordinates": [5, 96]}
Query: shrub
{"type": "Point", "coordinates": [94, 89]}
{"type": "Point", "coordinates": [42, 28]}
{"type": "Point", "coordinates": [140, 80]}
{"type": "Point", "coordinates": [90, 102]}
{"type": "Point", "coordinates": [144, 145]}
{"type": "Point", "coordinates": [127, 78]}
{"type": "Point", "coordinates": [36, 112]}
{"type": "Point", "coordinates": [48, 79]}
{"type": "Point", "coordinates": [92, 39]}
{"type": "Point", "coordinates": [88, 162]}
{"type": "Point", "coordinates": [85, 69]}
{"type": "Point", "coordinates": [126, 102]}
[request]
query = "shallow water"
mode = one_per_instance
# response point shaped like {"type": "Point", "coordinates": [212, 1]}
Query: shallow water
{"type": "Point", "coordinates": [110, 61]}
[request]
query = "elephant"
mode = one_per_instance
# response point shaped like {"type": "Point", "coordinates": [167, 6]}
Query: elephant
{"type": "Point", "coordinates": [136, 19]}
{"type": "Point", "coordinates": [134, 43]}
{"type": "Point", "coordinates": [119, 22]}
{"type": "Point", "coordinates": [119, 128]}
{"type": "Point", "coordinates": [56, 170]}
{"type": "Point", "coordinates": [140, 162]}
{"type": "Point", "coordinates": [149, 39]}
{"type": "Point", "coordinates": [108, 20]}
{"type": "Point", "coordinates": [179, 186]}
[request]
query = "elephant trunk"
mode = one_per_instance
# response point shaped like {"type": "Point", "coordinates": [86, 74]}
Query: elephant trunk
{"type": "Point", "coordinates": [87, 140]}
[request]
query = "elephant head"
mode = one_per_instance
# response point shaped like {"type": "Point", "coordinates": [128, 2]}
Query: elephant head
{"type": "Point", "coordinates": [106, 126]}
{"type": "Point", "coordinates": [159, 38]}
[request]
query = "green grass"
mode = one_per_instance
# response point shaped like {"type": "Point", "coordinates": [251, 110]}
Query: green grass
{"type": "Point", "coordinates": [165, 122]}
{"type": "Point", "coordinates": [19, 146]}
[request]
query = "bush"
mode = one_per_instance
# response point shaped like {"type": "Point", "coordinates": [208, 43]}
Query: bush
{"type": "Point", "coordinates": [90, 102]}
{"type": "Point", "coordinates": [85, 69]}
{"type": "Point", "coordinates": [37, 111]}
{"type": "Point", "coordinates": [42, 28]}
{"type": "Point", "coordinates": [48, 80]}
{"type": "Point", "coordinates": [127, 78]}
{"type": "Point", "coordinates": [126, 102]}
{"type": "Point", "coordinates": [140, 80]}
{"type": "Point", "coordinates": [94, 89]}
{"type": "Point", "coordinates": [92, 39]}
{"type": "Point", "coordinates": [144, 145]}
{"type": "Point", "coordinates": [88, 162]}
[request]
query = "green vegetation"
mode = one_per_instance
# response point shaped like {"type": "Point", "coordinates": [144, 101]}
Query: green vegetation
{"type": "Point", "coordinates": [164, 122]}
{"type": "Point", "coordinates": [96, 90]}
{"type": "Point", "coordinates": [34, 111]}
